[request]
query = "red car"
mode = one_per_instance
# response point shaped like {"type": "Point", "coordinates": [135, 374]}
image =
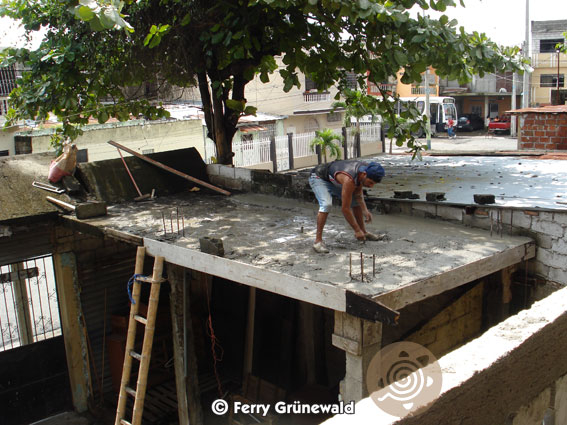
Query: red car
{"type": "Point", "coordinates": [500, 124]}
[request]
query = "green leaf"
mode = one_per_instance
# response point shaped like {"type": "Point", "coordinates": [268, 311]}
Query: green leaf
{"type": "Point", "coordinates": [84, 13]}
{"type": "Point", "coordinates": [250, 110]}
{"type": "Point", "coordinates": [236, 105]}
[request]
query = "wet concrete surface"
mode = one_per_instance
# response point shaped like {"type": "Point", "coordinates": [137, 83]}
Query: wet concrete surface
{"type": "Point", "coordinates": [277, 234]}
{"type": "Point", "coordinates": [515, 181]}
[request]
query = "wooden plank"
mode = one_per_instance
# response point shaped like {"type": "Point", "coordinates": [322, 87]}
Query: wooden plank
{"type": "Point", "coordinates": [249, 337]}
{"type": "Point", "coordinates": [318, 293]}
{"type": "Point", "coordinates": [435, 285]}
{"type": "Point", "coordinates": [346, 344]}
{"type": "Point", "coordinates": [73, 333]}
{"type": "Point", "coordinates": [169, 169]}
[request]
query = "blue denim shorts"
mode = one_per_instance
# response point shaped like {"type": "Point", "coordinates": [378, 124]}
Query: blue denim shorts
{"type": "Point", "coordinates": [324, 191]}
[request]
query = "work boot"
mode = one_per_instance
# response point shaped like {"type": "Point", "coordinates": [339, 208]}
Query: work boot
{"type": "Point", "coordinates": [372, 237]}
{"type": "Point", "coordinates": [320, 248]}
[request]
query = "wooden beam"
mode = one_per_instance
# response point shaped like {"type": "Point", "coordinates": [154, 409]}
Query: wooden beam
{"type": "Point", "coordinates": [73, 332]}
{"type": "Point", "coordinates": [169, 169]}
{"type": "Point", "coordinates": [318, 293]}
{"type": "Point", "coordinates": [249, 338]}
{"type": "Point", "coordinates": [188, 401]}
{"type": "Point", "coordinates": [435, 285]}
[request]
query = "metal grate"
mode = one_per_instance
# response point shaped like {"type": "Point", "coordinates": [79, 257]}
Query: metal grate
{"type": "Point", "coordinates": [29, 309]}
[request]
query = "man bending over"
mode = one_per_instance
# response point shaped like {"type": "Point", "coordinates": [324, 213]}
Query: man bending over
{"type": "Point", "coordinates": [344, 180]}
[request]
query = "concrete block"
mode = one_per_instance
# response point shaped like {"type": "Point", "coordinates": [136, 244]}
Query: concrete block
{"type": "Point", "coordinates": [517, 219]}
{"type": "Point", "coordinates": [548, 227]}
{"type": "Point", "coordinates": [559, 246]}
{"type": "Point", "coordinates": [541, 269]}
{"type": "Point", "coordinates": [427, 208]}
{"type": "Point", "coordinates": [212, 246]}
{"type": "Point", "coordinates": [450, 213]}
{"type": "Point", "coordinates": [243, 174]}
{"type": "Point", "coordinates": [552, 259]}
{"type": "Point", "coordinates": [213, 169]}
{"type": "Point", "coordinates": [560, 217]}
{"type": "Point", "coordinates": [227, 171]}
{"type": "Point", "coordinates": [559, 276]}
{"type": "Point", "coordinates": [544, 241]}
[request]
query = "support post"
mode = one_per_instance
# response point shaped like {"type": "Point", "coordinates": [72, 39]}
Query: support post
{"type": "Point", "coordinates": [184, 357]}
{"type": "Point", "coordinates": [357, 145]}
{"type": "Point", "coordinates": [361, 340]}
{"type": "Point", "coordinates": [249, 338]}
{"type": "Point", "coordinates": [25, 326]}
{"type": "Point", "coordinates": [273, 154]}
{"type": "Point", "coordinates": [290, 150]}
{"type": "Point", "coordinates": [345, 142]}
{"type": "Point", "coordinates": [318, 150]}
{"type": "Point", "coordinates": [74, 333]}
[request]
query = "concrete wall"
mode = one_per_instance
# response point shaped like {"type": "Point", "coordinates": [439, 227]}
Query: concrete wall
{"type": "Point", "coordinates": [7, 141]}
{"type": "Point", "coordinates": [142, 136]}
{"type": "Point", "coordinates": [543, 131]}
{"type": "Point", "coordinates": [514, 374]}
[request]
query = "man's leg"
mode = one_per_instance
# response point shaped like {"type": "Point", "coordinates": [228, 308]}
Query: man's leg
{"type": "Point", "coordinates": [321, 220]}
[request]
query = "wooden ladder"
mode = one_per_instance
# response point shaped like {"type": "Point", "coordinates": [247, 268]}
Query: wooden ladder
{"type": "Point", "coordinates": [139, 393]}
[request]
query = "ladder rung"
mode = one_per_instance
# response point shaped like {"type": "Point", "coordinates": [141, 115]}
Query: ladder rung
{"type": "Point", "coordinates": [148, 279]}
{"type": "Point", "coordinates": [124, 422]}
{"type": "Point", "coordinates": [130, 391]}
{"type": "Point", "coordinates": [135, 355]}
{"type": "Point", "coordinates": [141, 319]}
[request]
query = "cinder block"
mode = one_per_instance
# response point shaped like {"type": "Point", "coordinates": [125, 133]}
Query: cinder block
{"type": "Point", "coordinates": [227, 171]}
{"type": "Point", "coordinates": [427, 208]}
{"type": "Point", "coordinates": [516, 218]}
{"type": "Point", "coordinates": [541, 269]}
{"type": "Point", "coordinates": [243, 174]}
{"type": "Point", "coordinates": [559, 246]}
{"type": "Point", "coordinates": [450, 213]}
{"type": "Point", "coordinates": [558, 275]}
{"type": "Point", "coordinates": [560, 218]}
{"type": "Point", "coordinates": [552, 259]}
{"type": "Point", "coordinates": [213, 169]}
{"type": "Point", "coordinates": [548, 227]}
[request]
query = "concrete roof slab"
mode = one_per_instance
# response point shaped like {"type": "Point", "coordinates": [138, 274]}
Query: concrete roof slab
{"type": "Point", "coordinates": [274, 236]}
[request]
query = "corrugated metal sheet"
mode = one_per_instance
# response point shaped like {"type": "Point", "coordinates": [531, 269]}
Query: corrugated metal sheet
{"type": "Point", "coordinates": [25, 242]}
{"type": "Point", "coordinates": [103, 278]}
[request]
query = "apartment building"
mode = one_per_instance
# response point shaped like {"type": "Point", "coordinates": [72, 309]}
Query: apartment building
{"type": "Point", "coordinates": [548, 78]}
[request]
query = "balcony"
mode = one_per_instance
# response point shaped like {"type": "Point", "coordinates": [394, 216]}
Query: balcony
{"type": "Point", "coordinates": [309, 97]}
{"type": "Point", "coordinates": [374, 89]}
{"type": "Point", "coordinates": [421, 90]}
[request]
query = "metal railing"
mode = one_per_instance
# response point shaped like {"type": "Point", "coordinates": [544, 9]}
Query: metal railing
{"type": "Point", "coordinates": [257, 151]}
{"type": "Point", "coordinates": [316, 97]}
{"type": "Point", "coordinates": [29, 308]}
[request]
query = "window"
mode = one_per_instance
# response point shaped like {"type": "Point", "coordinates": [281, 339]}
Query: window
{"type": "Point", "coordinates": [351, 81]}
{"type": "Point", "coordinates": [549, 46]}
{"type": "Point", "coordinates": [310, 84]}
{"type": "Point", "coordinates": [4, 153]}
{"type": "Point", "coordinates": [334, 117]}
{"type": "Point", "coordinates": [7, 80]}
{"type": "Point", "coordinates": [29, 309]}
{"type": "Point", "coordinates": [550, 80]}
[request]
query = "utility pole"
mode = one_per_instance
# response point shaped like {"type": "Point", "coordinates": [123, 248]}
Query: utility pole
{"type": "Point", "coordinates": [427, 112]}
{"type": "Point", "coordinates": [526, 51]}
{"type": "Point", "coordinates": [513, 119]}
{"type": "Point", "coordinates": [558, 59]}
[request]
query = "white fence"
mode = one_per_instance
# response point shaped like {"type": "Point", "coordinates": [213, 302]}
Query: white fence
{"type": "Point", "coordinates": [258, 151]}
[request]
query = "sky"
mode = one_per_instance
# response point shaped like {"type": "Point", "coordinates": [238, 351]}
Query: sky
{"type": "Point", "coordinates": [502, 20]}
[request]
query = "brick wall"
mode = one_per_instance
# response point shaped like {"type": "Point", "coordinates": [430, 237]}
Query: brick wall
{"type": "Point", "coordinates": [546, 131]}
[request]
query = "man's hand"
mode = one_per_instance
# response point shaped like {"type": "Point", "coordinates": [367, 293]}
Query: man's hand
{"type": "Point", "coordinates": [367, 216]}
{"type": "Point", "coordinates": [360, 235]}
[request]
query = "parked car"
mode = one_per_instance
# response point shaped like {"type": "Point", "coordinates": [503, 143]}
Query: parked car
{"type": "Point", "coordinates": [500, 124]}
{"type": "Point", "coordinates": [470, 122]}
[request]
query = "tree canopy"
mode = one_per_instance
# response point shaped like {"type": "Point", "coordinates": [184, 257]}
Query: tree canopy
{"type": "Point", "coordinates": [94, 49]}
